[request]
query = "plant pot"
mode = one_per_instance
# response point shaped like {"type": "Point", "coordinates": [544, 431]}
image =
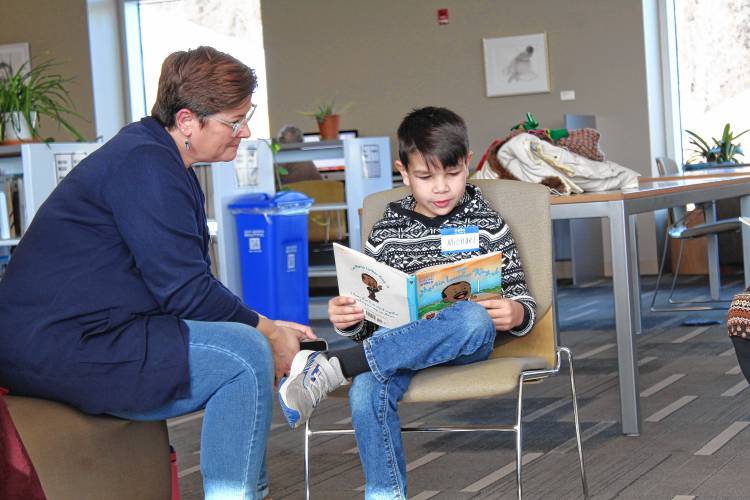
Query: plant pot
{"type": "Point", "coordinates": [329, 128]}
{"type": "Point", "coordinates": [15, 128]}
{"type": "Point", "coordinates": [689, 167]}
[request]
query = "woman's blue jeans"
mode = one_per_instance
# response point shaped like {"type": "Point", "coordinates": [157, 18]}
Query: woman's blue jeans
{"type": "Point", "coordinates": [460, 334]}
{"type": "Point", "coordinates": [231, 376]}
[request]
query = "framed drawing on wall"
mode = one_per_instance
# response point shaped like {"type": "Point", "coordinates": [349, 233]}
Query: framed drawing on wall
{"type": "Point", "coordinates": [516, 65]}
{"type": "Point", "coordinates": [14, 55]}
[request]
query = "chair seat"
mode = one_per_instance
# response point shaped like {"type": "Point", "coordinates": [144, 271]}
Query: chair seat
{"type": "Point", "coordinates": [485, 379]}
{"type": "Point", "coordinates": [721, 226]}
{"type": "Point", "coordinates": [82, 457]}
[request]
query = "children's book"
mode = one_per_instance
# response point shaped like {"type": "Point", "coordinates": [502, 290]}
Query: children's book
{"type": "Point", "coordinates": [393, 298]}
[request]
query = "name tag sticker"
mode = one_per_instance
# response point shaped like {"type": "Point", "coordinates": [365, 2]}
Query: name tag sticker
{"type": "Point", "coordinates": [459, 239]}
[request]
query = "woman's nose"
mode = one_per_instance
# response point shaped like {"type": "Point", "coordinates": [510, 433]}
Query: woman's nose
{"type": "Point", "coordinates": [245, 131]}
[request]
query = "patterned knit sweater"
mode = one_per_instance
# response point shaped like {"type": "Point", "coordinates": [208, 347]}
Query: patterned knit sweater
{"type": "Point", "coordinates": [409, 241]}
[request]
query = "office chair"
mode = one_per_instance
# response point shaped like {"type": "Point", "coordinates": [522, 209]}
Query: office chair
{"type": "Point", "coordinates": [515, 360]}
{"type": "Point", "coordinates": [678, 230]}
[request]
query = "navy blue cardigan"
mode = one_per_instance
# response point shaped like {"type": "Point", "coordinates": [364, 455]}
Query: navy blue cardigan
{"type": "Point", "coordinates": [92, 301]}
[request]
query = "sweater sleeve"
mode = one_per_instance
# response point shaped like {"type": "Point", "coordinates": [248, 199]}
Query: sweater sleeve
{"type": "Point", "coordinates": [157, 213]}
{"type": "Point", "coordinates": [514, 279]}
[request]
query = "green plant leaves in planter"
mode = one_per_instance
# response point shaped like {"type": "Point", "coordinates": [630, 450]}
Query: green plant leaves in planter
{"type": "Point", "coordinates": [38, 89]}
{"type": "Point", "coordinates": [724, 150]}
{"type": "Point", "coordinates": [324, 109]}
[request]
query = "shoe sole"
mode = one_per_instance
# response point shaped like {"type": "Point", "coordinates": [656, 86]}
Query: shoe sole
{"type": "Point", "coordinates": [292, 416]}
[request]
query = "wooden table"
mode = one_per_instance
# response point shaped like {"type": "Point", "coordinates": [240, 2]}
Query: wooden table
{"type": "Point", "coordinates": [620, 209]}
{"type": "Point", "coordinates": [700, 174]}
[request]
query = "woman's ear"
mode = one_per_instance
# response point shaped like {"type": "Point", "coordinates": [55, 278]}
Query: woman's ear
{"type": "Point", "coordinates": [402, 170]}
{"type": "Point", "coordinates": [185, 121]}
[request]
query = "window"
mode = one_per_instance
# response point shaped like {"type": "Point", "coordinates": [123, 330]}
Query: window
{"type": "Point", "coordinates": [712, 50]}
{"type": "Point", "coordinates": [156, 28]}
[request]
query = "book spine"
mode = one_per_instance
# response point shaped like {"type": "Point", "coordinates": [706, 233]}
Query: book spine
{"type": "Point", "coordinates": [411, 296]}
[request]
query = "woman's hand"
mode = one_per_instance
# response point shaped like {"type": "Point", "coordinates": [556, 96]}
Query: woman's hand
{"type": "Point", "coordinates": [284, 345]}
{"type": "Point", "coordinates": [344, 312]}
{"type": "Point", "coordinates": [505, 313]}
{"type": "Point", "coordinates": [305, 331]}
{"type": "Point", "coordinates": [283, 337]}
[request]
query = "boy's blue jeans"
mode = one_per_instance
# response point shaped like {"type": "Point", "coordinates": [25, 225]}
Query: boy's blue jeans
{"type": "Point", "coordinates": [460, 334]}
{"type": "Point", "coordinates": [231, 376]}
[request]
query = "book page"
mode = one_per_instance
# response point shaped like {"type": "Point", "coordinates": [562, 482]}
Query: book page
{"type": "Point", "coordinates": [478, 278]}
{"type": "Point", "coordinates": [381, 290]}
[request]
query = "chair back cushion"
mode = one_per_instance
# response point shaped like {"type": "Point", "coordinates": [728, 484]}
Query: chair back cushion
{"type": "Point", "coordinates": [525, 207]}
{"type": "Point", "coordinates": [667, 166]}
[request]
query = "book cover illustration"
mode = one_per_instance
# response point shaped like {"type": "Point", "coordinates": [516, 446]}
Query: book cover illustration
{"type": "Point", "coordinates": [478, 278]}
{"type": "Point", "coordinates": [382, 290]}
{"type": "Point", "coordinates": [392, 298]}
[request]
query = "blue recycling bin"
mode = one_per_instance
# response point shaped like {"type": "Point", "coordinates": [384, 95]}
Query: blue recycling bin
{"type": "Point", "coordinates": [272, 238]}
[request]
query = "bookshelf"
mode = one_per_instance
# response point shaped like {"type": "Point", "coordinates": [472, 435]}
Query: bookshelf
{"type": "Point", "coordinates": [28, 174]}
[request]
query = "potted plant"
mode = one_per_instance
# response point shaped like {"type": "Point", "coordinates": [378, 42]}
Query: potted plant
{"type": "Point", "coordinates": [327, 116]}
{"type": "Point", "coordinates": [26, 95]}
{"type": "Point", "coordinates": [724, 150]}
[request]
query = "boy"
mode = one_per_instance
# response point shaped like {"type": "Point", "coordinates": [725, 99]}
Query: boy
{"type": "Point", "coordinates": [434, 159]}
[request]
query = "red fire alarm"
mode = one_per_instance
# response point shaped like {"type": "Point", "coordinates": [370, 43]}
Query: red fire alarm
{"type": "Point", "coordinates": [442, 16]}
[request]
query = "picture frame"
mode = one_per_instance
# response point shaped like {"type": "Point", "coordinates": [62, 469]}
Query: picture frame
{"type": "Point", "coordinates": [15, 54]}
{"type": "Point", "coordinates": [516, 65]}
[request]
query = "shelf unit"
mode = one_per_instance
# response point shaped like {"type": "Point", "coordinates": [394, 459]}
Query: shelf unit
{"type": "Point", "coordinates": [41, 166]}
{"type": "Point", "coordinates": [367, 170]}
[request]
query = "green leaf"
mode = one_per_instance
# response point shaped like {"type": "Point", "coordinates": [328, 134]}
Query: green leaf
{"type": "Point", "coordinates": [38, 89]}
{"type": "Point", "coordinates": [324, 109]}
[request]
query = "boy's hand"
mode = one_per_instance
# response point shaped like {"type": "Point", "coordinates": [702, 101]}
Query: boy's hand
{"type": "Point", "coordinates": [505, 313]}
{"type": "Point", "coordinates": [344, 312]}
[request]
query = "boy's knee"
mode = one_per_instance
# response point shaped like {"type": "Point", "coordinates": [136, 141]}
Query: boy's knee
{"type": "Point", "coordinates": [475, 317]}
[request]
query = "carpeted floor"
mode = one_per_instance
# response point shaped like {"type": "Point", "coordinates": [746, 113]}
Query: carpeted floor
{"type": "Point", "coordinates": [694, 402]}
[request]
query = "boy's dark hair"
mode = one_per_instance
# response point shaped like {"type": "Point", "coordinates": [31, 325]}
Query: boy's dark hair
{"type": "Point", "coordinates": [438, 134]}
{"type": "Point", "coordinates": [202, 80]}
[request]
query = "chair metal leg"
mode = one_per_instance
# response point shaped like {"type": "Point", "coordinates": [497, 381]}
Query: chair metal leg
{"type": "Point", "coordinates": [307, 460]}
{"type": "Point", "coordinates": [676, 271]}
{"type": "Point", "coordinates": [677, 307]}
{"type": "Point", "coordinates": [661, 272]}
{"type": "Point", "coordinates": [519, 437]}
{"type": "Point", "coordinates": [573, 395]}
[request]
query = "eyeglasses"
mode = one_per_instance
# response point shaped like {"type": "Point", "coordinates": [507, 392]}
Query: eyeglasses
{"type": "Point", "coordinates": [237, 126]}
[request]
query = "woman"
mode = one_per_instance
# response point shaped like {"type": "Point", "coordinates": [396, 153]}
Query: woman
{"type": "Point", "coordinates": [109, 303]}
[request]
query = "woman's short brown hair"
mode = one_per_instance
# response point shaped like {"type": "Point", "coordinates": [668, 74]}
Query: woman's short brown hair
{"type": "Point", "coordinates": [203, 80]}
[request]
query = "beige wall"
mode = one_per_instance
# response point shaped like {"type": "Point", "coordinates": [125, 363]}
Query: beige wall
{"type": "Point", "coordinates": [389, 56]}
{"type": "Point", "coordinates": [55, 29]}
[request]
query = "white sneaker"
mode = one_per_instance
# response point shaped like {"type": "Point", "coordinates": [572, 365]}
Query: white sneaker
{"type": "Point", "coordinates": [310, 379]}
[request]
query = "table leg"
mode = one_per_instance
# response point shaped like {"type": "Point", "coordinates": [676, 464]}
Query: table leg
{"type": "Point", "coordinates": [622, 283]}
{"type": "Point", "coordinates": [635, 276]}
{"type": "Point", "coordinates": [745, 212]}
{"type": "Point", "coordinates": [714, 273]}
